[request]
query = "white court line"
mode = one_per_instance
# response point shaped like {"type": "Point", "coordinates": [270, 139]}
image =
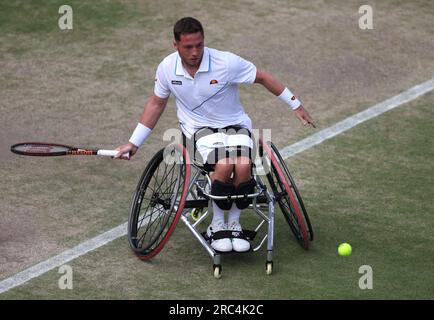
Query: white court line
{"type": "Point", "coordinates": [65, 257]}
{"type": "Point", "coordinates": [309, 142]}
{"type": "Point", "coordinates": [61, 259]}
{"type": "Point", "coordinates": [348, 123]}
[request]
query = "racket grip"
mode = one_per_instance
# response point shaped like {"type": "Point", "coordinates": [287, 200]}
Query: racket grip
{"type": "Point", "coordinates": [112, 153]}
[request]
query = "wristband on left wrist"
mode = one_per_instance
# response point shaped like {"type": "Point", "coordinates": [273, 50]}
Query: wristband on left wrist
{"type": "Point", "coordinates": [290, 99]}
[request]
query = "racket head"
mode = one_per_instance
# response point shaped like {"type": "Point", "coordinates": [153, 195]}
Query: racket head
{"type": "Point", "coordinates": [41, 149]}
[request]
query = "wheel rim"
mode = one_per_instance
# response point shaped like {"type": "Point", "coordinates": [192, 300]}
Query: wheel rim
{"type": "Point", "coordinates": [286, 208]}
{"type": "Point", "coordinates": [294, 188]}
{"type": "Point", "coordinates": [286, 198]}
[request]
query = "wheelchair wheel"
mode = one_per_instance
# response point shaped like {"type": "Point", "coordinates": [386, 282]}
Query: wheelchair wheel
{"type": "Point", "coordinates": [158, 201]}
{"type": "Point", "coordinates": [288, 197]}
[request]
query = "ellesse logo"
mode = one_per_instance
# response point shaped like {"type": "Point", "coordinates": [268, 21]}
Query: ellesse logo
{"type": "Point", "coordinates": [213, 81]}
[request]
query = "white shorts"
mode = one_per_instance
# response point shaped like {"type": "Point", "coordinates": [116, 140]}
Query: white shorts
{"type": "Point", "coordinates": [215, 144]}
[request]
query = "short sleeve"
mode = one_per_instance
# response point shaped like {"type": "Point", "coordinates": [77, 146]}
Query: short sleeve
{"type": "Point", "coordinates": [240, 70]}
{"type": "Point", "coordinates": [161, 88]}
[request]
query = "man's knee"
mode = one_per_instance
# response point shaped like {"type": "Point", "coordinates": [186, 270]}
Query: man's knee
{"type": "Point", "coordinates": [223, 171]}
{"type": "Point", "coordinates": [243, 169]}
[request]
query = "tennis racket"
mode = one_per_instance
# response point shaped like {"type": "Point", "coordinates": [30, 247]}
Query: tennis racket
{"type": "Point", "coordinates": [41, 149]}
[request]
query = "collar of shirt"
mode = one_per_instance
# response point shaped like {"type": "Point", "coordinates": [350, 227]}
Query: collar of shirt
{"type": "Point", "coordinates": [205, 65]}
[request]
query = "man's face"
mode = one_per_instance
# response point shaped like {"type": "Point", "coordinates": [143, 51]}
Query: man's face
{"type": "Point", "coordinates": [190, 48]}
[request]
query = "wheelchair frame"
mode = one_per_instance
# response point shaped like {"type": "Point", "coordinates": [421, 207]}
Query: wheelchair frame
{"type": "Point", "coordinates": [195, 196]}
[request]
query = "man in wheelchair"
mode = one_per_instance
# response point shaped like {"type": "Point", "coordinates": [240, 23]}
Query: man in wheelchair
{"type": "Point", "coordinates": [228, 152]}
{"type": "Point", "coordinates": [205, 83]}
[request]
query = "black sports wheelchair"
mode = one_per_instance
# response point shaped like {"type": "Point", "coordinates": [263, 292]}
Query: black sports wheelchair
{"type": "Point", "coordinates": [174, 187]}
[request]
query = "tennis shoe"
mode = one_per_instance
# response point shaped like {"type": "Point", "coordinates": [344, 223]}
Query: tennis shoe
{"type": "Point", "coordinates": [222, 245]}
{"type": "Point", "coordinates": [239, 242]}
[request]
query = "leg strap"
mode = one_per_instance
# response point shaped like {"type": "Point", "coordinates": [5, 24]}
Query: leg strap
{"type": "Point", "coordinates": [219, 188]}
{"type": "Point", "coordinates": [245, 188]}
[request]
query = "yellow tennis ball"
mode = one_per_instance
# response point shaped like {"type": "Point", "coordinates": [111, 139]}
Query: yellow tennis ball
{"type": "Point", "coordinates": [344, 249]}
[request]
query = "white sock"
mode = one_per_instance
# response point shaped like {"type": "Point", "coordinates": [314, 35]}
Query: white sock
{"type": "Point", "coordinates": [218, 213]}
{"type": "Point", "coordinates": [234, 214]}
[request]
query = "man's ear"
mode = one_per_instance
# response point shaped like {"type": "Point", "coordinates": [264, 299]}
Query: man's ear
{"type": "Point", "coordinates": [175, 44]}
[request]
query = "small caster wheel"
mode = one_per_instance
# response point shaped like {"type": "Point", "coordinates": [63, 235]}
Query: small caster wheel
{"type": "Point", "coordinates": [217, 271]}
{"type": "Point", "coordinates": [196, 213]}
{"type": "Point", "coordinates": [269, 267]}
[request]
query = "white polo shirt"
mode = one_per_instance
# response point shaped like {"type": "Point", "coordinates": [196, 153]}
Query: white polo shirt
{"type": "Point", "coordinates": [211, 98]}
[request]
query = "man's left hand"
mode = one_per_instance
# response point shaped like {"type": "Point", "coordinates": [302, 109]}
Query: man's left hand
{"type": "Point", "coordinates": [304, 116]}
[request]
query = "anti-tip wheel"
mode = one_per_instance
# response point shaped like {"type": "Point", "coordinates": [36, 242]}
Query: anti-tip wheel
{"type": "Point", "coordinates": [217, 271]}
{"type": "Point", "coordinates": [269, 267]}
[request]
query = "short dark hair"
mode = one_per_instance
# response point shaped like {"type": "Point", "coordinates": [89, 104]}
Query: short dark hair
{"type": "Point", "coordinates": [186, 25]}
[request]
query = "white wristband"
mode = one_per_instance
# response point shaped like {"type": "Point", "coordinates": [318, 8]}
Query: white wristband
{"type": "Point", "coordinates": [140, 134]}
{"type": "Point", "coordinates": [289, 98]}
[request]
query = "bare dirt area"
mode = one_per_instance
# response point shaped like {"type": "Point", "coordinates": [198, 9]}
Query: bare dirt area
{"type": "Point", "coordinates": [87, 87]}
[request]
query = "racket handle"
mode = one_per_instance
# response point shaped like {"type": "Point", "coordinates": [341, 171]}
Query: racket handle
{"type": "Point", "coordinates": [112, 153]}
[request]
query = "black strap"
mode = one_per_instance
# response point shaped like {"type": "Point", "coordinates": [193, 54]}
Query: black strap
{"type": "Point", "coordinates": [223, 234]}
{"type": "Point", "coordinates": [249, 235]}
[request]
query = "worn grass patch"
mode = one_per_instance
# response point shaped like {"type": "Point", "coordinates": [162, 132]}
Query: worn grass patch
{"type": "Point", "coordinates": [41, 17]}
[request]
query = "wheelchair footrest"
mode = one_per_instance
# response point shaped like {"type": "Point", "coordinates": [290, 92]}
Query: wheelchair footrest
{"type": "Point", "coordinates": [233, 251]}
{"type": "Point", "coordinates": [249, 234]}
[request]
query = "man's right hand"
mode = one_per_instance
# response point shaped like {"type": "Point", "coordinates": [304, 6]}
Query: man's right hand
{"type": "Point", "coordinates": [126, 148]}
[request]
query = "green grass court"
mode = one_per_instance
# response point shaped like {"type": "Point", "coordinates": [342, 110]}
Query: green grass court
{"type": "Point", "coordinates": [371, 186]}
{"type": "Point", "coordinates": [377, 205]}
